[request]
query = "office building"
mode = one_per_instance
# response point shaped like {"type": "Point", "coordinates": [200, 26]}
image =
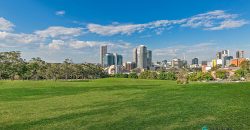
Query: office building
{"type": "Point", "coordinates": [227, 61]}
{"type": "Point", "coordinates": [219, 55]}
{"type": "Point", "coordinates": [203, 63]}
{"type": "Point", "coordinates": [195, 61]}
{"type": "Point", "coordinates": [103, 52]}
{"type": "Point", "coordinates": [112, 59]}
{"type": "Point", "coordinates": [239, 54]}
{"type": "Point", "coordinates": [118, 59]}
{"type": "Point", "coordinates": [224, 53]}
{"type": "Point", "coordinates": [135, 57]}
{"type": "Point", "coordinates": [109, 60]}
{"type": "Point", "coordinates": [176, 63]}
{"type": "Point", "coordinates": [237, 62]}
{"type": "Point", "coordinates": [149, 58]}
{"type": "Point", "coordinates": [130, 66]}
{"type": "Point", "coordinates": [142, 57]}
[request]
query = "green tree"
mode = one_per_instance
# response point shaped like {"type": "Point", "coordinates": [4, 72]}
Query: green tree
{"type": "Point", "coordinates": [182, 77]}
{"type": "Point", "coordinates": [221, 74]}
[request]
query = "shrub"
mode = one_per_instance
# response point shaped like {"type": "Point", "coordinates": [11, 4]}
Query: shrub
{"type": "Point", "coordinates": [207, 76]}
{"type": "Point", "coordinates": [221, 74]}
{"type": "Point", "coordinates": [241, 72]}
{"type": "Point", "coordinates": [120, 75]}
{"type": "Point", "coordinates": [133, 76]}
{"type": "Point", "coordinates": [167, 76]}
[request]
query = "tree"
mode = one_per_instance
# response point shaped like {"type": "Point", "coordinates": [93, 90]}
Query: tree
{"type": "Point", "coordinates": [182, 77]}
{"type": "Point", "coordinates": [221, 74]}
{"type": "Point", "coordinates": [66, 68]}
{"type": "Point", "coordinates": [207, 76]}
{"type": "Point", "coordinates": [241, 72]}
{"type": "Point", "coordinates": [245, 65]}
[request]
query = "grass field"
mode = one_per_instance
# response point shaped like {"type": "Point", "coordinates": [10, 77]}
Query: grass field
{"type": "Point", "coordinates": [123, 104]}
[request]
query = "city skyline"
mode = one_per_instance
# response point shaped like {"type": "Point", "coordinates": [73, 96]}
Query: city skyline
{"type": "Point", "coordinates": [56, 30]}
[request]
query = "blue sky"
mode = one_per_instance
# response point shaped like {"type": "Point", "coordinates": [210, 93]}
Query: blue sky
{"type": "Point", "coordinates": [59, 29]}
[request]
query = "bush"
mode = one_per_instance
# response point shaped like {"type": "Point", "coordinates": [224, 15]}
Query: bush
{"type": "Point", "coordinates": [234, 78]}
{"type": "Point", "coordinates": [148, 75]}
{"type": "Point", "coordinates": [120, 75]}
{"type": "Point", "coordinates": [221, 74]}
{"type": "Point", "coordinates": [133, 76]}
{"type": "Point", "coordinates": [207, 76]}
{"type": "Point", "coordinates": [241, 72]}
{"type": "Point", "coordinates": [167, 76]}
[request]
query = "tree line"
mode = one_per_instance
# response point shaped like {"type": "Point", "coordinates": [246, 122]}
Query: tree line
{"type": "Point", "coordinates": [13, 67]}
{"type": "Point", "coordinates": [183, 76]}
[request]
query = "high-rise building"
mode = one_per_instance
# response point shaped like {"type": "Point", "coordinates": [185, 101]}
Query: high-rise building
{"type": "Point", "coordinates": [130, 65]}
{"type": "Point", "coordinates": [219, 55]}
{"type": "Point", "coordinates": [184, 63]}
{"type": "Point", "coordinates": [112, 59]}
{"type": "Point", "coordinates": [225, 53]}
{"type": "Point", "coordinates": [103, 52]}
{"type": "Point", "coordinates": [135, 57]}
{"type": "Point", "coordinates": [203, 62]}
{"type": "Point", "coordinates": [227, 61]}
{"type": "Point", "coordinates": [142, 57]}
{"type": "Point", "coordinates": [118, 59]}
{"type": "Point", "coordinates": [239, 54]}
{"type": "Point", "coordinates": [176, 63]}
{"type": "Point", "coordinates": [108, 60]}
{"type": "Point", "coordinates": [195, 61]}
{"type": "Point", "coordinates": [149, 58]}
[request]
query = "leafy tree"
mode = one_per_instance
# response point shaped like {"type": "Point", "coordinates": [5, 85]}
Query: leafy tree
{"type": "Point", "coordinates": [182, 77]}
{"type": "Point", "coordinates": [241, 72]}
{"type": "Point", "coordinates": [245, 65]}
{"type": "Point", "coordinates": [221, 74]}
{"type": "Point", "coordinates": [207, 76]}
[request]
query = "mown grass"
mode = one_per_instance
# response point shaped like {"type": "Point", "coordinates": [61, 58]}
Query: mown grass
{"type": "Point", "coordinates": [123, 104]}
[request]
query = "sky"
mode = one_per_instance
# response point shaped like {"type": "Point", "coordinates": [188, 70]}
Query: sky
{"type": "Point", "coordinates": [58, 29]}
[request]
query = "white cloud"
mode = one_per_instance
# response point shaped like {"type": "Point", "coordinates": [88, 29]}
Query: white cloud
{"type": "Point", "coordinates": [115, 29]}
{"type": "Point", "coordinates": [127, 29]}
{"type": "Point", "coordinates": [229, 24]}
{"type": "Point", "coordinates": [60, 13]}
{"type": "Point", "coordinates": [19, 38]}
{"type": "Point", "coordinates": [213, 20]}
{"type": "Point", "coordinates": [56, 44]}
{"type": "Point", "coordinates": [59, 31]}
{"type": "Point", "coordinates": [5, 25]}
{"type": "Point", "coordinates": [82, 44]}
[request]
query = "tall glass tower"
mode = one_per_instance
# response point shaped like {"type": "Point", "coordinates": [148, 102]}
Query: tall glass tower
{"type": "Point", "coordinates": [142, 57]}
{"type": "Point", "coordinates": [103, 52]}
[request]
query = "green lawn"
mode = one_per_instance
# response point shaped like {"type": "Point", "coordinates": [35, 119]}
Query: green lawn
{"type": "Point", "coordinates": [123, 104]}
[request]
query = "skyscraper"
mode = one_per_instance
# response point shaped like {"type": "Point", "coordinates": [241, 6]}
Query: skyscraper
{"type": "Point", "coordinates": [227, 61]}
{"type": "Point", "coordinates": [149, 58]}
{"type": "Point", "coordinates": [142, 57]}
{"type": "Point", "coordinates": [225, 53]}
{"type": "Point", "coordinates": [195, 61]}
{"type": "Point", "coordinates": [103, 52]}
{"type": "Point", "coordinates": [135, 57]}
{"type": "Point", "coordinates": [112, 59]}
{"type": "Point", "coordinates": [108, 60]}
{"type": "Point", "coordinates": [219, 55]}
{"type": "Point", "coordinates": [118, 59]}
{"type": "Point", "coordinates": [239, 54]}
{"type": "Point", "coordinates": [176, 63]}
